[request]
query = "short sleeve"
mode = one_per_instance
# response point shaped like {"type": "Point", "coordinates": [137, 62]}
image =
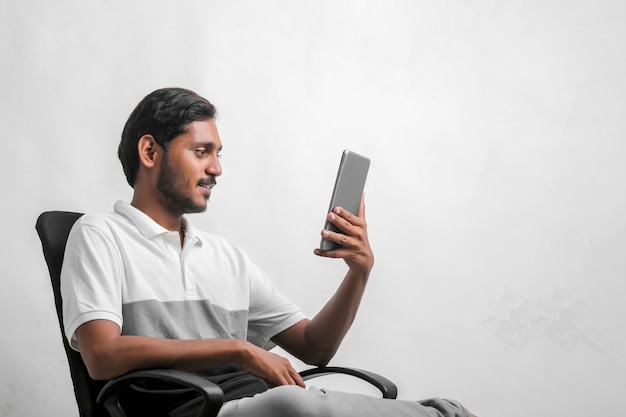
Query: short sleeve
{"type": "Point", "coordinates": [91, 278]}
{"type": "Point", "coordinates": [270, 311]}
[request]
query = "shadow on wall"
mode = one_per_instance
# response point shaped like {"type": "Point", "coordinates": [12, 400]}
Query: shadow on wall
{"type": "Point", "coordinates": [516, 319]}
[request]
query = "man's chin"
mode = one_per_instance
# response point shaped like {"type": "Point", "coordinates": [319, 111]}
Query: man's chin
{"type": "Point", "coordinates": [197, 208]}
{"type": "Point", "coordinates": [186, 207]}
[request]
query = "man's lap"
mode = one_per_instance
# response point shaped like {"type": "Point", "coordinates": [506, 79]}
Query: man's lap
{"type": "Point", "coordinates": [293, 401]}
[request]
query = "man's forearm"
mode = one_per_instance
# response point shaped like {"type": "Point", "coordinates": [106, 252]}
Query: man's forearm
{"type": "Point", "coordinates": [316, 341]}
{"type": "Point", "coordinates": [109, 359]}
{"type": "Point", "coordinates": [329, 327]}
{"type": "Point", "coordinates": [107, 354]}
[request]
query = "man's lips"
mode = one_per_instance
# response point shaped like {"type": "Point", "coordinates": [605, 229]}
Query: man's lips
{"type": "Point", "coordinates": [207, 184]}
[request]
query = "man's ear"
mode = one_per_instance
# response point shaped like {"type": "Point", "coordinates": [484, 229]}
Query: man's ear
{"type": "Point", "coordinates": [149, 151]}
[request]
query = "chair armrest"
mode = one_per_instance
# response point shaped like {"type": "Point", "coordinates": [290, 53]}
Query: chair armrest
{"type": "Point", "coordinates": [386, 387]}
{"type": "Point", "coordinates": [212, 393]}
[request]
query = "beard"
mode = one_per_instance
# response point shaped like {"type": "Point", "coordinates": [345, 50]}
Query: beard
{"type": "Point", "coordinates": [170, 184]}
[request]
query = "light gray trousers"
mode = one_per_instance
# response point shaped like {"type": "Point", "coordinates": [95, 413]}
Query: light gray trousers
{"type": "Point", "coordinates": [293, 401]}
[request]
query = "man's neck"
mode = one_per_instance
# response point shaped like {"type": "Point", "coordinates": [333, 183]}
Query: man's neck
{"type": "Point", "coordinates": [160, 215]}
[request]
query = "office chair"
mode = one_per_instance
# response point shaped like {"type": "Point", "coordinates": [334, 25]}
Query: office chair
{"type": "Point", "coordinates": [97, 398]}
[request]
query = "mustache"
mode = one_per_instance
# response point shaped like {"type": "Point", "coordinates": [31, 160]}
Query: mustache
{"type": "Point", "coordinates": [210, 181]}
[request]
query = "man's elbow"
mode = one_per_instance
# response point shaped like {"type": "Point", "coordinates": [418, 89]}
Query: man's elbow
{"type": "Point", "coordinates": [319, 354]}
{"type": "Point", "coordinates": [100, 368]}
{"type": "Point", "coordinates": [99, 375]}
{"type": "Point", "coordinates": [319, 363]}
{"type": "Point", "coordinates": [319, 359]}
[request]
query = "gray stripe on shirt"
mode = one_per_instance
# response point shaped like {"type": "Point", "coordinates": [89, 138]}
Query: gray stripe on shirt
{"type": "Point", "coordinates": [184, 320]}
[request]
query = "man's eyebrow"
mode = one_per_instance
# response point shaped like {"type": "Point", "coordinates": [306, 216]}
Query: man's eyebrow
{"type": "Point", "coordinates": [208, 145]}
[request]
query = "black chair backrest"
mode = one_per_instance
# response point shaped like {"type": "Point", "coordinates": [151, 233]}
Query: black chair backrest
{"type": "Point", "coordinates": [53, 228]}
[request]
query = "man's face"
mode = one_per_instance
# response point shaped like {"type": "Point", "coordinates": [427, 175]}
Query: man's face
{"type": "Point", "coordinates": [189, 169]}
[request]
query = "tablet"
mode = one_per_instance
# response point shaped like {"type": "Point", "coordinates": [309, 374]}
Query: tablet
{"type": "Point", "coordinates": [348, 189]}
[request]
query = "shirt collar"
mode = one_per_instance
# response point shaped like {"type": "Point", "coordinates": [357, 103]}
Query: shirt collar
{"type": "Point", "coordinates": [148, 227]}
{"type": "Point", "coordinates": [191, 233]}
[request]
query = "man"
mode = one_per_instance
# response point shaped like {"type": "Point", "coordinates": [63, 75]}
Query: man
{"type": "Point", "coordinates": [142, 288]}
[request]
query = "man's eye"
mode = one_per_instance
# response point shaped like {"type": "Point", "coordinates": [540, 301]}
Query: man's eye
{"type": "Point", "coordinates": [201, 152]}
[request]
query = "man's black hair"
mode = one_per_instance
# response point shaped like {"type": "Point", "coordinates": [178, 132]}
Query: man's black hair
{"type": "Point", "coordinates": [165, 114]}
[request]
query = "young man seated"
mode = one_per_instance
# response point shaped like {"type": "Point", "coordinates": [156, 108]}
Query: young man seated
{"type": "Point", "coordinates": [143, 288]}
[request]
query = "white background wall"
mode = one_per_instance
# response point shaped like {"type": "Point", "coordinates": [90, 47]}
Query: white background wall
{"type": "Point", "coordinates": [497, 136]}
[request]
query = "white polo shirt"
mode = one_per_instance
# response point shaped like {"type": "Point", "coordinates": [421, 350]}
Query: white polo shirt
{"type": "Point", "coordinates": [126, 268]}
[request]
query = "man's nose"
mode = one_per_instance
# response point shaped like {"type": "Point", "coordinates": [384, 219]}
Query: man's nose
{"type": "Point", "coordinates": [214, 167]}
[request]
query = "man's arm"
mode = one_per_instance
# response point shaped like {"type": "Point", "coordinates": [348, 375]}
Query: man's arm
{"type": "Point", "coordinates": [316, 341]}
{"type": "Point", "coordinates": [107, 354]}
